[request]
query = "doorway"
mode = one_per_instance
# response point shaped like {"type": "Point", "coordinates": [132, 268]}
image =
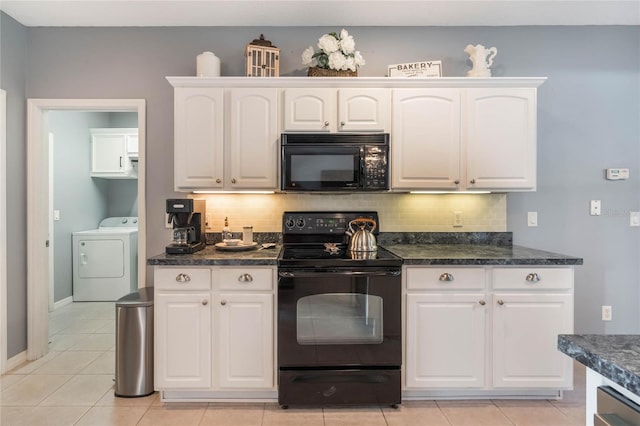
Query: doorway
{"type": "Point", "coordinates": [39, 223]}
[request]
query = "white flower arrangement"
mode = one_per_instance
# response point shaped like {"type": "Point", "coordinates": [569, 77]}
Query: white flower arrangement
{"type": "Point", "coordinates": [337, 52]}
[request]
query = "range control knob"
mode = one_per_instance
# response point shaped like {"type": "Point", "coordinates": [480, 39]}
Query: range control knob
{"type": "Point", "coordinates": [289, 223]}
{"type": "Point", "coordinates": [300, 223]}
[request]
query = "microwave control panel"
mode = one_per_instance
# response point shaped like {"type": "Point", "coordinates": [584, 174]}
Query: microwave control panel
{"type": "Point", "coordinates": [375, 167]}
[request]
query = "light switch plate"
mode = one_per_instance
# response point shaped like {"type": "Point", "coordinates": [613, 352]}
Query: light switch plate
{"type": "Point", "coordinates": [595, 208]}
{"type": "Point", "coordinates": [634, 219]}
{"type": "Point", "coordinates": [532, 219]}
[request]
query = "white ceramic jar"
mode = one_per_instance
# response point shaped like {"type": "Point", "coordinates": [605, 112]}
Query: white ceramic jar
{"type": "Point", "coordinates": [207, 65]}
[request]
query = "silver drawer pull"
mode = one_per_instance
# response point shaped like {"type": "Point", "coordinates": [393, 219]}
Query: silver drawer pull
{"type": "Point", "coordinates": [533, 277]}
{"type": "Point", "coordinates": [223, 302]}
{"type": "Point", "coordinates": [500, 302]}
{"type": "Point", "coordinates": [446, 277]}
{"type": "Point", "coordinates": [245, 278]}
{"type": "Point", "coordinates": [183, 278]}
{"type": "Point", "coordinates": [205, 302]}
{"type": "Point", "coordinates": [482, 303]}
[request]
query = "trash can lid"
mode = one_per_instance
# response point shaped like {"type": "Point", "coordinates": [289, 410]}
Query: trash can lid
{"type": "Point", "coordinates": [142, 297]}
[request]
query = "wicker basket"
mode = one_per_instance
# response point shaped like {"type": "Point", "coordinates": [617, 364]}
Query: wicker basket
{"type": "Point", "coordinates": [323, 72]}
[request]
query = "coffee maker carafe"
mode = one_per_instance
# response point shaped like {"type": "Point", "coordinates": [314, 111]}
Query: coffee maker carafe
{"type": "Point", "coordinates": [188, 219]}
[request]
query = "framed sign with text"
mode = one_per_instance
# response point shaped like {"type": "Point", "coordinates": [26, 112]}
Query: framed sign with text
{"type": "Point", "coordinates": [416, 69]}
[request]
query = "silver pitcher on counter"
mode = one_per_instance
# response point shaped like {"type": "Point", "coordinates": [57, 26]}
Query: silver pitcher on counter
{"type": "Point", "coordinates": [362, 239]}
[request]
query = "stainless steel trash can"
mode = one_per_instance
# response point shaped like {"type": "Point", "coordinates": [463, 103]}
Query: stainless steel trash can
{"type": "Point", "coordinates": [134, 344]}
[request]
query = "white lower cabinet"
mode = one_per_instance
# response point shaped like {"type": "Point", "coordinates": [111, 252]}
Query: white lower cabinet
{"type": "Point", "coordinates": [214, 330]}
{"type": "Point", "coordinates": [487, 329]}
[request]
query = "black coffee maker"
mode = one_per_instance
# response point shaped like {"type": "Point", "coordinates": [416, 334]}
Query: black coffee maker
{"type": "Point", "coordinates": [188, 219]}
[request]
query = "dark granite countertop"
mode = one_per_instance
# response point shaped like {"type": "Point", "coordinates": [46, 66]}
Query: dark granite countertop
{"type": "Point", "coordinates": [477, 254]}
{"type": "Point", "coordinates": [415, 248]}
{"type": "Point", "coordinates": [212, 256]}
{"type": "Point", "coordinates": [616, 357]}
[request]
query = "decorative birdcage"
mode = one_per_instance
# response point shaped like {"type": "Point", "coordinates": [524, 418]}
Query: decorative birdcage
{"type": "Point", "coordinates": [262, 58]}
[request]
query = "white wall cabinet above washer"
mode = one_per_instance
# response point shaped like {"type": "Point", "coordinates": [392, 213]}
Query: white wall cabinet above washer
{"type": "Point", "coordinates": [114, 152]}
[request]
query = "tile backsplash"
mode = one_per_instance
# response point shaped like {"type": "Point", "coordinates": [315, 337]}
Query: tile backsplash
{"type": "Point", "coordinates": [397, 212]}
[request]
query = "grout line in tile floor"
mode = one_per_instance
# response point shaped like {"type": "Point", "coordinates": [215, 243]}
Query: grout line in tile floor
{"type": "Point", "coordinates": [73, 385]}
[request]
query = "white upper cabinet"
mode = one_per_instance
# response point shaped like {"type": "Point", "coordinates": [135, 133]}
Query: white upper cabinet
{"type": "Point", "coordinates": [501, 139]}
{"type": "Point", "coordinates": [447, 134]}
{"type": "Point", "coordinates": [425, 142]}
{"type": "Point", "coordinates": [199, 138]}
{"type": "Point", "coordinates": [464, 139]}
{"type": "Point", "coordinates": [113, 151]}
{"type": "Point", "coordinates": [226, 138]}
{"type": "Point", "coordinates": [336, 110]}
{"type": "Point", "coordinates": [254, 139]}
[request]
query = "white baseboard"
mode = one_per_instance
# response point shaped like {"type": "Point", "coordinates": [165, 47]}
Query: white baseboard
{"type": "Point", "coordinates": [64, 302]}
{"type": "Point", "coordinates": [16, 360]}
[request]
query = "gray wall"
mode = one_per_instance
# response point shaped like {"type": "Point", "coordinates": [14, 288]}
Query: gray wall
{"type": "Point", "coordinates": [588, 120]}
{"type": "Point", "coordinates": [13, 57]}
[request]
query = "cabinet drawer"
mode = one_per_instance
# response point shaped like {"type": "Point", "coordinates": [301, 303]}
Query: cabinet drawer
{"type": "Point", "coordinates": [443, 278]}
{"type": "Point", "coordinates": [246, 279]}
{"type": "Point", "coordinates": [533, 278]}
{"type": "Point", "coordinates": [182, 278]}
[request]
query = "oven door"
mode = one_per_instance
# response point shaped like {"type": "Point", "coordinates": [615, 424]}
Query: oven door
{"type": "Point", "coordinates": [321, 168]}
{"type": "Point", "coordinates": [339, 318]}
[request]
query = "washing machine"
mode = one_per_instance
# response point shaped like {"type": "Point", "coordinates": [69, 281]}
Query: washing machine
{"type": "Point", "coordinates": [105, 260]}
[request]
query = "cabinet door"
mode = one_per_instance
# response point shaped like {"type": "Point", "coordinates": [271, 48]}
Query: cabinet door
{"type": "Point", "coordinates": [525, 334]}
{"type": "Point", "coordinates": [364, 110]}
{"type": "Point", "coordinates": [445, 342]}
{"type": "Point", "coordinates": [182, 340]}
{"type": "Point", "coordinates": [310, 110]}
{"type": "Point", "coordinates": [246, 341]}
{"type": "Point", "coordinates": [108, 153]}
{"type": "Point", "coordinates": [199, 133]}
{"type": "Point", "coordinates": [425, 139]}
{"type": "Point", "coordinates": [501, 139]}
{"type": "Point", "coordinates": [253, 139]}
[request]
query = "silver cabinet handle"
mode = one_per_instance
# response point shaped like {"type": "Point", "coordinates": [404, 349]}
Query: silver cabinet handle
{"type": "Point", "coordinates": [500, 302]}
{"type": "Point", "coordinates": [482, 303]}
{"type": "Point", "coordinates": [120, 162]}
{"type": "Point", "coordinates": [183, 278]}
{"type": "Point", "coordinates": [472, 181]}
{"type": "Point", "coordinates": [218, 180]}
{"type": "Point", "coordinates": [245, 278]}
{"type": "Point", "coordinates": [533, 277]}
{"type": "Point", "coordinates": [233, 180]}
{"type": "Point", "coordinates": [446, 277]}
{"type": "Point", "coordinates": [326, 124]}
{"type": "Point", "coordinates": [205, 302]}
{"type": "Point", "coordinates": [223, 302]}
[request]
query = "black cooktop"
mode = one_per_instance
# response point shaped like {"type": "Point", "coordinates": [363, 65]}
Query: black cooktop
{"type": "Point", "coordinates": [319, 239]}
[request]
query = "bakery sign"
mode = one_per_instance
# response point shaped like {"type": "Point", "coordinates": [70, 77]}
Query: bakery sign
{"type": "Point", "coordinates": [416, 69]}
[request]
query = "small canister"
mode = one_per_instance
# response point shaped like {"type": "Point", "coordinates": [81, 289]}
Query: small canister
{"type": "Point", "coordinates": [207, 65]}
{"type": "Point", "coordinates": [247, 234]}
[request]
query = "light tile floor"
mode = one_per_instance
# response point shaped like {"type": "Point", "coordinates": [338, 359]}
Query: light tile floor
{"type": "Point", "coordinates": [73, 385]}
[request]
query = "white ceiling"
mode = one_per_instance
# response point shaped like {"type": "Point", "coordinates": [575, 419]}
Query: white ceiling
{"type": "Point", "coordinates": [122, 13]}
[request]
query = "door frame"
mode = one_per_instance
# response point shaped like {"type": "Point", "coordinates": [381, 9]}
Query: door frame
{"type": "Point", "coordinates": [3, 231]}
{"type": "Point", "coordinates": [39, 209]}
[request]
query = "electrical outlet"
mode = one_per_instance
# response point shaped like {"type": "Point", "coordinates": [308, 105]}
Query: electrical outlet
{"type": "Point", "coordinates": [457, 219]}
{"type": "Point", "coordinates": [595, 208]}
{"type": "Point", "coordinates": [634, 218]}
{"type": "Point", "coordinates": [606, 313]}
{"type": "Point", "coordinates": [532, 218]}
{"type": "Point", "coordinates": [207, 221]}
{"type": "Point", "coordinates": [167, 224]}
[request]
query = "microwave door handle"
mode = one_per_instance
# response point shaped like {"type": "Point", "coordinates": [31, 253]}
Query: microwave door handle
{"type": "Point", "coordinates": [363, 175]}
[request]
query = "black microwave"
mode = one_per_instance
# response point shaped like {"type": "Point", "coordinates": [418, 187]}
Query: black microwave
{"type": "Point", "coordinates": [334, 162]}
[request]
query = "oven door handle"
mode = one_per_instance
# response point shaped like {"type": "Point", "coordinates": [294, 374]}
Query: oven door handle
{"type": "Point", "coordinates": [289, 274]}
